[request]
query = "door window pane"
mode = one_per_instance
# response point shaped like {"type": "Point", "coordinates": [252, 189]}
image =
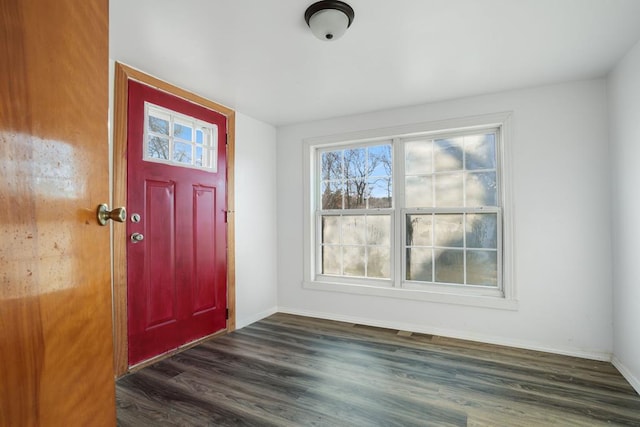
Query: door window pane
{"type": "Point", "coordinates": [183, 131]}
{"type": "Point", "coordinates": [182, 153]}
{"type": "Point", "coordinates": [199, 156]}
{"type": "Point", "coordinates": [179, 140]}
{"type": "Point", "coordinates": [158, 147]}
{"type": "Point", "coordinates": [159, 125]}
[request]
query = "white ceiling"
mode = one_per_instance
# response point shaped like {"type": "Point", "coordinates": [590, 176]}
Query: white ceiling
{"type": "Point", "coordinates": [260, 58]}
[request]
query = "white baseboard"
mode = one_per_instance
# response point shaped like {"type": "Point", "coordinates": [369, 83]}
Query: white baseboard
{"type": "Point", "coordinates": [241, 323]}
{"type": "Point", "coordinates": [626, 373]}
{"type": "Point", "coordinates": [593, 355]}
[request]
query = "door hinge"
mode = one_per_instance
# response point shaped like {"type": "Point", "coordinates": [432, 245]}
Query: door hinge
{"type": "Point", "coordinates": [225, 216]}
{"type": "Point", "coordinates": [227, 314]}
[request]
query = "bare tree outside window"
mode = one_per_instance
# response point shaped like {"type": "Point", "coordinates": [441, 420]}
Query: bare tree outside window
{"type": "Point", "coordinates": [158, 147]}
{"type": "Point", "coordinates": [357, 178]}
{"type": "Point", "coordinates": [332, 180]}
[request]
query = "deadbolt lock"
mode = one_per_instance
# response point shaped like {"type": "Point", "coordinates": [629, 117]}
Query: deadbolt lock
{"type": "Point", "coordinates": [137, 237]}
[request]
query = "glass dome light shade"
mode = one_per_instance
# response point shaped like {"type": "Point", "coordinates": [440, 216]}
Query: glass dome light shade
{"type": "Point", "coordinates": [329, 19]}
{"type": "Point", "coordinates": [328, 24]}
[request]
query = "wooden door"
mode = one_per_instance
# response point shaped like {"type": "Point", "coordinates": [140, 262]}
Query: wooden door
{"type": "Point", "coordinates": [176, 195]}
{"type": "Point", "coordinates": [56, 348]}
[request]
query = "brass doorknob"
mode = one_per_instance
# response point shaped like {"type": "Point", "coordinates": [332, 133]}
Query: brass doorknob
{"type": "Point", "coordinates": [104, 214]}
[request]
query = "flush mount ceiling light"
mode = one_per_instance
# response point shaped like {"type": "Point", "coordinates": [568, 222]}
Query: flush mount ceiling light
{"type": "Point", "coordinates": [329, 19]}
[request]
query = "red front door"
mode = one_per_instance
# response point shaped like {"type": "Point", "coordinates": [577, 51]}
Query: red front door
{"type": "Point", "coordinates": [176, 249]}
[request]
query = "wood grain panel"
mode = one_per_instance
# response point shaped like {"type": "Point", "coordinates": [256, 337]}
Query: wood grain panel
{"type": "Point", "coordinates": [56, 343]}
{"type": "Point", "coordinates": [123, 74]}
{"type": "Point", "coordinates": [119, 245]}
{"type": "Point", "coordinates": [290, 370]}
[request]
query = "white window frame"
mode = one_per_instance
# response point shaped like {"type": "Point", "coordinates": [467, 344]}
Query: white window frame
{"type": "Point", "coordinates": [209, 144]}
{"type": "Point", "coordinates": [396, 287]}
{"type": "Point", "coordinates": [319, 213]}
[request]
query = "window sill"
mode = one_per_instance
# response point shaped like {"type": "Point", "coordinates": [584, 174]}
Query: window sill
{"type": "Point", "coordinates": [414, 295]}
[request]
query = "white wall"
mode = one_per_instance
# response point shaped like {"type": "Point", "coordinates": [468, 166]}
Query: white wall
{"type": "Point", "coordinates": [256, 239]}
{"type": "Point", "coordinates": [624, 113]}
{"type": "Point", "coordinates": [562, 225]}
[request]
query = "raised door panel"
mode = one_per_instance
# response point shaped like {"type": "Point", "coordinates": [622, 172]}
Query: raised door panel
{"type": "Point", "coordinates": [204, 237]}
{"type": "Point", "coordinates": [159, 291]}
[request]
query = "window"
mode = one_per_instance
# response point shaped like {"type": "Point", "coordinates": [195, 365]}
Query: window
{"type": "Point", "coordinates": [179, 140]}
{"type": "Point", "coordinates": [355, 212]}
{"type": "Point", "coordinates": [411, 214]}
{"type": "Point", "coordinates": [451, 209]}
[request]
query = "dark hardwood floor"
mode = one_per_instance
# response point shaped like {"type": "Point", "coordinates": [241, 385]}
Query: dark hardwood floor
{"type": "Point", "coordinates": [295, 371]}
